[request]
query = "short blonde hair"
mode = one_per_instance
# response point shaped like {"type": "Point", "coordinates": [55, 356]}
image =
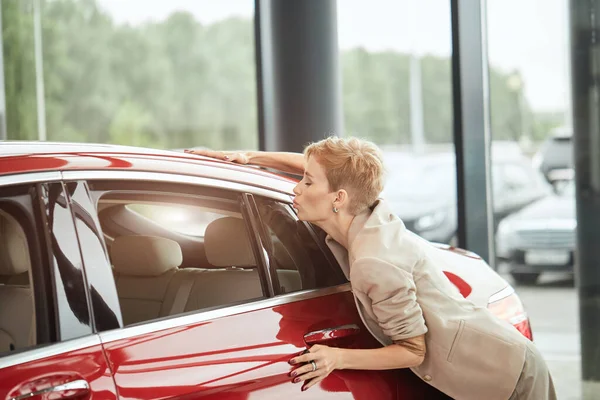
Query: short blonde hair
{"type": "Point", "coordinates": [353, 164]}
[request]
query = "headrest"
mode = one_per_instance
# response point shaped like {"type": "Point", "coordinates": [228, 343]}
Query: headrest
{"type": "Point", "coordinates": [145, 255]}
{"type": "Point", "coordinates": [227, 244]}
{"type": "Point", "coordinates": [14, 252]}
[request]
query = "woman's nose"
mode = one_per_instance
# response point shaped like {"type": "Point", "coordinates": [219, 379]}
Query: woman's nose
{"type": "Point", "coordinates": [297, 189]}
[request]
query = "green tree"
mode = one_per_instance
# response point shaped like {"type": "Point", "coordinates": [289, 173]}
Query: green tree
{"type": "Point", "coordinates": [19, 70]}
{"type": "Point", "coordinates": [177, 83]}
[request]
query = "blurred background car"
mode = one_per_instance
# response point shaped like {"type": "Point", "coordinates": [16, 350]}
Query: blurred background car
{"type": "Point", "coordinates": [540, 237]}
{"type": "Point", "coordinates": [555, 156]}
{"type": "Point", "coordinates": [422, 189]}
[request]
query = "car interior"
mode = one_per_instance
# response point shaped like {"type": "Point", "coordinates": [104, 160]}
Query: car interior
{"type": "Point", "coordinates": [171, 258]}
{"type": "Point", "coordinates": [17, 315]}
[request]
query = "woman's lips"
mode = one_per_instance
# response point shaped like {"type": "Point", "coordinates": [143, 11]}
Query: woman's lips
{"type": "Point", "coordinates": [295, 205]}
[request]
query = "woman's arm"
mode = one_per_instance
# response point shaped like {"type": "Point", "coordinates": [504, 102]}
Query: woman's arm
{"type": "Point", "coordinates": [405, 354]}
{"type": "Point", "coordinates": [283, 161]}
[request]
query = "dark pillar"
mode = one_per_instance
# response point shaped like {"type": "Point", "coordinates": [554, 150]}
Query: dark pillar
{"type": "Point", "coordinates": [472, 128]}
{"type": "Point", "coordinates": [298, 73]}
{"type": "Point", "coordinates": [585, 77]}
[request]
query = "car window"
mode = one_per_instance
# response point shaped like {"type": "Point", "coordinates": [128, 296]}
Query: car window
{"type": "Point", "coordinates": [179, 218]}
{"type": "Point", "coordinates": [68, 279]}
{"type": "Point", "coordinates": [17, 310]}
{"type": "Point", "coordinates": [176, 251]}
{"type": "Point", "coordinates": [103, 293]}
{"type": "Point", "coordinates": [29, 314]}
{"type": "Point", "coordinates": [297, 258]}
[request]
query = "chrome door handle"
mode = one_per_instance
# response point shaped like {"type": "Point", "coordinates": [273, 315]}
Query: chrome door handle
{"type": "Point", "coordinates": [79, 385]}
{"type": "Point", "coordinates": [331, 333]}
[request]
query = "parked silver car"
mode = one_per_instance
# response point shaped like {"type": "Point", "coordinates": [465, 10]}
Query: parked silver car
{"type": "Point", "coordinates": [540, 237]}
{"type": "Point", "coordinates": [422, 189]}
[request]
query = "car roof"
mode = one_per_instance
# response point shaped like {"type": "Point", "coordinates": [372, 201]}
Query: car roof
{"type": "Point", "coordinates": [18, 157]}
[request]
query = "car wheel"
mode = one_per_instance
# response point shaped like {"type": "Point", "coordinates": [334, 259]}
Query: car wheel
{"type": "Point", "coordinates": [525, 278]}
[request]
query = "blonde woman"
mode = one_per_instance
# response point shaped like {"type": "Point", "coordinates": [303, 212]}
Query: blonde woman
{"type": "Point", "coordinates": [404, 298]}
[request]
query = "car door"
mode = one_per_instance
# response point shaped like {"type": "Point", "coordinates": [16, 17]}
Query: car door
{"type": "Point", "coordinates": [45, 321]}
{"type": "Point", "coordinates": [230, 350]}
{"type": "Point", "coordinates": [301, 263]}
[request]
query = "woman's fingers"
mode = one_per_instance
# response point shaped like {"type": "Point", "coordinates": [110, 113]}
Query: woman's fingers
{"type": "Point", "coordinates": [309, 375]}
{"type": "Point", "coordinates": [320, 356]}
{"type": "Point", "coordinates": [304, 358]}
{"type": "Point", "coordinates": [237, 157]}
{"type": "Point", "coordinates": [307, 355]}
{"type": "Point", "coordinates": [305, 369]}
{"type": "Point", "coordinates": [207, 153]}
{"type": "Point", "coordinates": [233, 156]}
{"type": "Point", "coordinates": [312, 382]}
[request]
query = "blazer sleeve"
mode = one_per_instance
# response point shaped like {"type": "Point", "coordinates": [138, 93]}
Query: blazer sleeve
{"type": "Point", "coordinates": [392, 293]}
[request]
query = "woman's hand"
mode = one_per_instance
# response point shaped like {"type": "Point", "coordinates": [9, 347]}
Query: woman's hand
{"type": "Point", "coordinates": [326, 359]}
{"type": "Point", "coordinates": [233, 156]}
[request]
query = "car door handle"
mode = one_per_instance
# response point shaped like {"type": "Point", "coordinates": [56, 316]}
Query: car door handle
{"type": "Point", "coordinates": [337, 332]}
{"type": "Point", "coordinates": [68, 390]}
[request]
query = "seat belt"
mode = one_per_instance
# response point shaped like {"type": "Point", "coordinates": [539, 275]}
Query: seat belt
{"type": "Point", "coordinates": [181, 298]}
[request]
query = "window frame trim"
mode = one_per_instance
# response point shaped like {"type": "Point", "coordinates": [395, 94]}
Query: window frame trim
{"type": "Point", "coordinates": [257, 238]}
{"type": "Point", "coordinates": [30, 178]}
{"type": "Point", "coordinates": [193, 318]}
{"type": "Point", "coordinates": [163, 177]}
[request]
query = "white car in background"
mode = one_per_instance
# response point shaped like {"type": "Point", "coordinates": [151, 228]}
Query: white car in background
{"type": "Point", "coordinates": [540, 237]}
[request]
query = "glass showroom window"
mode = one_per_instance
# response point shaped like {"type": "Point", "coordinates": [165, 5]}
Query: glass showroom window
{"type": "Point", "coordinates": [139, 72]}
{"type": "Point", "coordinates": [397, 92]}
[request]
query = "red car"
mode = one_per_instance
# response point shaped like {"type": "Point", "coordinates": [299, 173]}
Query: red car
{"type": "Point", "coordinates": [143, 274]}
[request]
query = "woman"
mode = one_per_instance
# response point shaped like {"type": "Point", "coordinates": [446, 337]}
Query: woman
{"type": "Point", "coordinates": [403, 296]}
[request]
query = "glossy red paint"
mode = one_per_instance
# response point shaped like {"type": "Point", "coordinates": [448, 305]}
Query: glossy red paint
{"type": "Point", "coordinates": [88, 364]}
{"type": "Point", "coordinates": [216, 360]}
{"type": "Point", "coordinates": [463, 287]}
{"type": "Point", "coordinates": [22, 157]}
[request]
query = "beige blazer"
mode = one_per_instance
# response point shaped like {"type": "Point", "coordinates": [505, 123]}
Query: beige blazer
{"type": "Point", "coordinates": [401, 292]}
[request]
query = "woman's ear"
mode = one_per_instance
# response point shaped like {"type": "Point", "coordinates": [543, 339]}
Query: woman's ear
{"type": "Point", "coordinates": [341, 198]}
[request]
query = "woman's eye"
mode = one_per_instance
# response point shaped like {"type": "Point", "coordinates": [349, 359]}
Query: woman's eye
{"type": "Point", "coordinates": [307, 183]}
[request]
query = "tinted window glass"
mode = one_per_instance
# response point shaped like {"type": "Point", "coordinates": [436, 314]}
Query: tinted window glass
{"type": "Point", "coordinates": [296, 257]}
{"type": "Point", "coordinates": [17, 311]}
{"type": "Point", "coordinates": [103, 293]}
{"type": "Point", "coordinates": [176, 252]}
{"type": "Point", "coordinates": [69, 281]}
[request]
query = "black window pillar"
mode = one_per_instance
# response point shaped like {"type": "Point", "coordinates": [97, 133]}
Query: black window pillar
{"type": "Point", "coordinates": [472, 128]}
{"type": "Point", "coordinates": [299, 90]}
{"type": "Point", "coordinates": [585, 79]}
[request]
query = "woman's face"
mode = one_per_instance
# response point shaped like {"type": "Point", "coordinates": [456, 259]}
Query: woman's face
{"type": "Point", "coordinates": [314, 199]}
